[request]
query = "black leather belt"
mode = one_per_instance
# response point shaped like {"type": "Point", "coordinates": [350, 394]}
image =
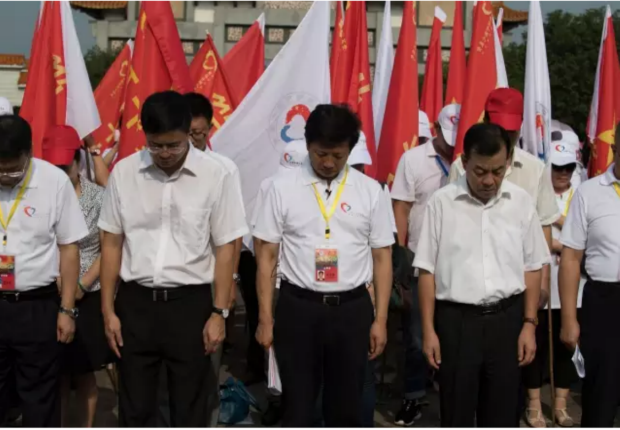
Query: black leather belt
{"type": "Point", "coordinates": [164, 294]}
{"type": "Point", "coordinates": [37, 294]}
{"type": "Point", "coordinates": [328, 299]}
{"type": "Point", "coordinates": [485, 309]}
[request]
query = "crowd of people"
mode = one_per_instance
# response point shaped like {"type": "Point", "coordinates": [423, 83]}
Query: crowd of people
{"type": "Point", "coordinates": [137, 262]}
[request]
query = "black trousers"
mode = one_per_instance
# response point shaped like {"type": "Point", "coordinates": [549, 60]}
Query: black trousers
{"type": "Point", "coordinates": [30, 353]}
{"type": "Point", "coordinates": [247, 273]}
{"type": "Point", "coordinates": [165, 328]}
{"type": "Point", "coordinates": [600, 346]}
{"type": "Point", "coordinates": [564, 371]}
{"type": "Point", "coordinates": [324, 344]}
{"type": "Point", "coordinates": [479, 372]}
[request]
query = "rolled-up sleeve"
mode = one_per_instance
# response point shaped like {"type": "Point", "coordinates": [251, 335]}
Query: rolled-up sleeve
{"type": "Point", "coordinates": [381, 230]}
{"type": "Point", "coordinates": [428, 245]}
{"type": "Point", "coordinates": [546, 206]}
{"type": "Point", "coordinates": [228, 216]}
{"type": "Point", "coordinates": [575, 230]}
{"type": "Point", "coordinates": [270, 221]}
{"type": "Point", "coordinates": [403, 188]}
{"type": "Point", "coordinates": [70, 224]}
{"type": "Point", "coordinates": [535, 247]}
{"type": "Point", "coordinates": [110, 219]}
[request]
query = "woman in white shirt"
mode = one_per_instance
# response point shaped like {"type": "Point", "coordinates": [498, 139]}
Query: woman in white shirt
{"type": "Point", "coordinates": [564, 164]}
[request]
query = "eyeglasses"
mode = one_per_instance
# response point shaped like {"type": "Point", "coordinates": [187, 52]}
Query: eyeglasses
{"type": "Point", "coordinates": [173, 148]}
{"type": "Point", "coordinates": [198, 134]}
{"type": "Point", "coordinates": [18, 174]}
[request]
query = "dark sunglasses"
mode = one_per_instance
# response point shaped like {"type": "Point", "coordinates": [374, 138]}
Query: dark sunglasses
{"type": "Point", "coordinates": [568, 168]}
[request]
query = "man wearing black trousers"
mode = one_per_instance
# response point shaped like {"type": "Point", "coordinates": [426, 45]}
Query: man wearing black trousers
{"type": "Point", "coordinates": [333, 227]}
{"type": "Point", "coordinates": [169, 244]}
{"type": "Point", "coordinates": [480, 257]}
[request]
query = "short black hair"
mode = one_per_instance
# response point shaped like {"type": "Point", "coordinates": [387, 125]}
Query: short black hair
{"type": "Point", "coordinates": [330, 125]}
{"type": "Point", "coordinates": [165, 112]}
{"type": "Point", "coordinates": [15, 137]}
{"type": "Point", "coordinates": [487, 140]}
{"type": "Point", "coordinates": [200, 106]}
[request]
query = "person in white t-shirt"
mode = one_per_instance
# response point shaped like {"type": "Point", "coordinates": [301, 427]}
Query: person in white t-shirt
{"type": "Point", "coordinates": [563, 165]}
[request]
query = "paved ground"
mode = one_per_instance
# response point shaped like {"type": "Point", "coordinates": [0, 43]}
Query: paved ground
{"type": "Point", "coordinates": [388, 392]}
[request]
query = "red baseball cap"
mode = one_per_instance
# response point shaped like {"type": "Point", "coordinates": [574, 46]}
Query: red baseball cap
{"type": "Point", "coordinates": [60, 144]}
{"type": "Point", "coordinates": [505, 108]}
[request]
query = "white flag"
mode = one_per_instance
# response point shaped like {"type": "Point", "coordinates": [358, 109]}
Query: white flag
{"type": "Point", "coordinates": [275, 111]}
{"type": "Point", "coordinates": [593, 116]}
{"type": "Point", "coordinates": [502, 76]}
{"type": "Point", "coordinates": [383, 71]}
{"type": "Point", "coordinates": [537, 99]}
{"type": "Point", "coordinates": [82, 112]}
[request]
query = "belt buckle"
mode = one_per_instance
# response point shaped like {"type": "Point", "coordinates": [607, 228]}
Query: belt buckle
{"type": "Point", "coordinates": [490, 309]}
{"type": "Point", "coordinates": [156, 297]}
{"type": "Point", "coordinates": [11, 297]}
{"type": "Point", "coordinates": [331, 300]}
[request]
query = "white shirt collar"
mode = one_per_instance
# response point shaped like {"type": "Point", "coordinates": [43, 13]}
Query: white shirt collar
{"type": "Point", "coordinates": [463, 190]}
{"type": "Point", "coordinates": [608, 178]}
{"type": "Point", "coordinates": [190, 164]}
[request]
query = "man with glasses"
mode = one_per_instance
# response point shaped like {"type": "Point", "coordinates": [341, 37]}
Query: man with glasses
{"type": "Point", "coordinates": [41, 223]}
{"type": "Point", "coordinates": [170, 218]}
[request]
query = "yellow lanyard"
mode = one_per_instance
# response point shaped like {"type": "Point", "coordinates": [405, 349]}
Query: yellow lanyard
{"type": "Point", "coordinates": [327, 215]}
{"type": "Point", "coordinates": [570, 198]}
{"type": "Point", "coordinates": [617, 188]}
{"type": "Point", "coordinates": [18, 199]}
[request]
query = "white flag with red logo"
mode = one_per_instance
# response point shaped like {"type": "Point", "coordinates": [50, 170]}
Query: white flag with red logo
{"type": "Point", "coordinates": [275, 111]}
{"type": "Point", "coordinates": [383, 72]}
{"type": "Point", "coordinates": [502, 76]}
{"type": "Point", "coordinates": [537, 98]}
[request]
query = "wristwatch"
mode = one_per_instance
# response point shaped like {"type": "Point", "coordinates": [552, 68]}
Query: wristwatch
{"type": "Point", "coordinates": [223, 312]}
{"type": "Point", "coordinates": [73, 313]}
{"type": "Point", "coordinates": [533, 321]}
{"type": "Point", "coordinates": [95, 152]}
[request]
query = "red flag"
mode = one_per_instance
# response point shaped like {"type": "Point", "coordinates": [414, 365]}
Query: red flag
{"type": "Point", "coordinates": [602, 155]}
{"type": "Point", "coordinates": [245, 62]}
{"type": "Point", "coordinates": [213, 82]}
{"type": "Point", "coordinates": [359, 94]}
{"type": "Point", "coordinates": [158, 64]}
{"type": "Point", "coordinates": [457, 69]}
{"type": "Point", "coordinates": [481, 72]}
{"type": "Point", "coordinates": [343, 63]}
{"type": "Point", "coordinates": [400, 126]}
{"type": "Point", "coordinates": [110, 95]}
{"type": "Point", "coordinates": [431, 101]}
{"type": "Point", "coordinates": [45, 98]}
{"type": "Point", "coordinates": [338, 41]}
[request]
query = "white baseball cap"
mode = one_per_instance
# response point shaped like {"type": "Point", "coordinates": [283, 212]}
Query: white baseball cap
{"type": "Point", "coordinates": [293, 155]}
{"type": "Point", "coordinates": [424, 125]}
{"type": "Point", "coordinates": [5, 107]}
{"type": "Point", "coordinates": [449, 122]}
{"type": "Point", "coordinates": [564, 151]}
{"type": "Point", "coordinates": [359, 154]}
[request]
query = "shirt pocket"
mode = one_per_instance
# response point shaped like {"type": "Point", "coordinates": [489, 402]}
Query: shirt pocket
{"type": "Point", "coordinates": [194, 228]}
{"type": "Point", "coordinates": [511, 246]}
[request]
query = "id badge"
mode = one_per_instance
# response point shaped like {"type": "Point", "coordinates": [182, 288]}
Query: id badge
{"type": "Point", "coordinates": [326, 264]}
{"type": "Point", "coordinates": [7, 272]}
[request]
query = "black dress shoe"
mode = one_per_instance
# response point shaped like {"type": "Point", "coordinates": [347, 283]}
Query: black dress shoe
{"type": "Point", "coordinates": [273, 414]}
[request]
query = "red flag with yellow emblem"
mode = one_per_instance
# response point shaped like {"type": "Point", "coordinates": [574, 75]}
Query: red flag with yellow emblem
{"type": "Point", "coordinates": [158, 64]}
{"type": "Point", "coordinates": [431, 101]}
{"type": "Point", "coordinates": [457, 68]}
{"type": "Point", "coordinates": [211, 80]}
{"type": "Point", "coordinates": [109, 96]}
{"type": "Point", "coordinates": [481, 72]}
{"type": "Point", "coordinates": [400, 126]}
{"type": "Point", "coordinates": [602, 155]}
{"type": "Point", "coordinates": [338, 41]}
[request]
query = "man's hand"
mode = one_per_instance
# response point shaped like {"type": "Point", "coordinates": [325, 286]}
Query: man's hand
{"type": "Point", "coordinates": [527, 344]}
{"type": "Point", "coordinates": [214, 333]}
{"type": "Point", "coordinates": [89, 141]}
{"type": "Point", "coordinates": [432, 351]}
{"type": "Point", "coordinates": [65, 328]}
{"type": "Point", "coordinates": [569, 334]}
{"type": "Point", "coordinates": [378, 339]}
{"type": "Point", "coordinates": [113, 333]}
{"type": "Point", "coordinates": [264, 334]}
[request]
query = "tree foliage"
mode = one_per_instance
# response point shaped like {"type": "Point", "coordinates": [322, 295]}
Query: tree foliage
{"type": "Point", "coordinates": [98, 62]}
{"type": "Point", "coordinates": [573, 43]}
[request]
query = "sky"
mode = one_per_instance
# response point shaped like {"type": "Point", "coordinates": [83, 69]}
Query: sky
{"type": "Point", "coordinates": [17, 21]}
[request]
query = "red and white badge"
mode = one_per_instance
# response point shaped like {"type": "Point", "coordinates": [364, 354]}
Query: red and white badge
{"type": "Point", "coordinates": [326, 264]}
{"type": "Point", "coordinates": [7, 272]}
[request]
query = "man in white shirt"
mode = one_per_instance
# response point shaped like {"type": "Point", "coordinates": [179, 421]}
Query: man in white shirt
{"type": "Point", "coordinates": [41, 223]}
{"type": "Point", "coordinates": [171, 215]}
{"type": "Point", "coordinates": [504, 107]}
{"type": "Point", "coordinates": [334, 229]}
{"type": "Point", "coordinates": [421, 171]}
{"type": "Point", "coordinates": [591, 230]}
{"type": "Point", "coordinates": [480, 257]}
